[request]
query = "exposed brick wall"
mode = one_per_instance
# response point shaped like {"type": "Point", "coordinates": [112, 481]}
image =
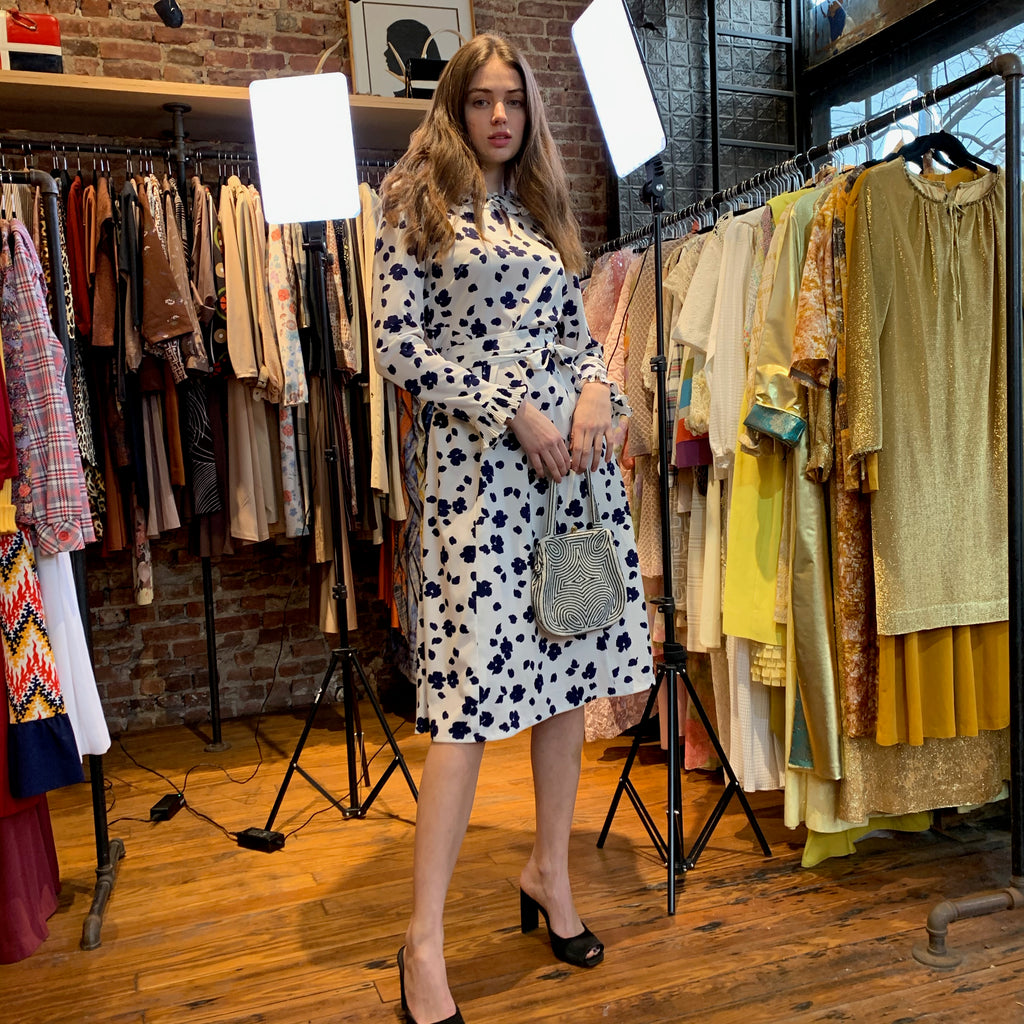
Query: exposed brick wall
{"type": "Point", "coordinates": [151, 662]}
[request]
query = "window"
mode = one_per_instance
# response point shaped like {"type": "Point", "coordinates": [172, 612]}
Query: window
{"type": "Point", "coordinates": [976, 117]}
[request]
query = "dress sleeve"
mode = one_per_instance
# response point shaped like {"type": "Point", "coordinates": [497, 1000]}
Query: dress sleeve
{"type": "Point", "coordinates": [405, 357]}
{"type": "Point", "coordinates": [589, 360]}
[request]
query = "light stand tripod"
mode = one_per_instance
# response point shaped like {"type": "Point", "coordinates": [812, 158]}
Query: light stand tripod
{"type": "Point", "coordinates": [344, 654]}
{"type": "Point", "coordinates": [673, 664]}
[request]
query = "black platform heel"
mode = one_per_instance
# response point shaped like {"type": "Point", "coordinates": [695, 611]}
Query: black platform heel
{"type": "Point", "coordinates": [455, 1018]}
{"type": "Point", "coordinates": [571, 951]}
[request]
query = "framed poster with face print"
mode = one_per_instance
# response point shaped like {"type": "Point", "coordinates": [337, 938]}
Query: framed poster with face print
{"type": "Point", "coordinates": [384, 35]}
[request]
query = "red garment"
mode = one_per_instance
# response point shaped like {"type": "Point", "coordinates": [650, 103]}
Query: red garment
{"type": "Point", "coordinates": [8, 452]}
{"type": "Point", "coordinates": [29, 875]}
{"type": "Point", "coordinates": [78, 259]}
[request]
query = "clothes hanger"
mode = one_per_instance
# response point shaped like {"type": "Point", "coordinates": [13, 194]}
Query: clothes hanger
{"type": "Point", "coordinates": [942, 144]}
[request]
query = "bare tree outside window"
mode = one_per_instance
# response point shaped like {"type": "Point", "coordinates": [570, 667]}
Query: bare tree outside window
{"type": "Point", "coordinates": [976, 117]}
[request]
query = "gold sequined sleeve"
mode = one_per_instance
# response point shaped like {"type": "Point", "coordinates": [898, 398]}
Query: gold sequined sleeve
{"type": "Point", "coordinates": [871, 271]}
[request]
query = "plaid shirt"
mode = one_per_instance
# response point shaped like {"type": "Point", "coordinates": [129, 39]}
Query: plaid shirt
{"type": "Point", "coordinates": [49, 494]}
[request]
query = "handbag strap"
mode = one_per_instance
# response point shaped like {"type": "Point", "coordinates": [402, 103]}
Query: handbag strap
{"type": "Point", "coordinates": [549, 522]}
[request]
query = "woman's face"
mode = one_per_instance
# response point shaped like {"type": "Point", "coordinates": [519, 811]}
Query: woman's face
{"type": "Point", "coordinates": [495, 113]}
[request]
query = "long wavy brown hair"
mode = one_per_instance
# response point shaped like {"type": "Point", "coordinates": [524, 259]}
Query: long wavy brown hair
{"type": "Point", "coordinates": [440, 169]}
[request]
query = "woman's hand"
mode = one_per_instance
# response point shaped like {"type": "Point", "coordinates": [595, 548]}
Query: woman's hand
{"type": "Point", "coordinates": [544, 445]}
{"type": "Point", "coordinates": [592, 427]}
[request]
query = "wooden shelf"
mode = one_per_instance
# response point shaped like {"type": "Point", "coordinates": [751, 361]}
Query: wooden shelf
{"type": "Point", "coordinates": [133, 108]}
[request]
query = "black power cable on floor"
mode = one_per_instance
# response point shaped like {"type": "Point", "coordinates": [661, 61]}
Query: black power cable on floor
{"type": "Point", "coordinates": [180, 791]}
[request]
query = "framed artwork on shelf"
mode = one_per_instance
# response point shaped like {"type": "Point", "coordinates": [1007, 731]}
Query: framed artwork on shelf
{"type": "Point", "coordinates": [384, 35]}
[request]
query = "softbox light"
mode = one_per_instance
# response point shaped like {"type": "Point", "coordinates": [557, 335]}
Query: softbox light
{"type": "Point", "coordinates": [616, 75]}
{"type": "Point", "coordinates": [304, 147]}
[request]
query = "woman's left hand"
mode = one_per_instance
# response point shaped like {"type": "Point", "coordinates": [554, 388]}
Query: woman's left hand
{"type": "Point", "coordinates": [590, 436]}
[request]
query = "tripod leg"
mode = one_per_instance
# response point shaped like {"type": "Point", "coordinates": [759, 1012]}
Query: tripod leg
{"type": "Point", "coordinates": [348, 692]}
{"type": "Point", "coordinates": [733, 785]}
{"type": "Point", "coordinates": [294, 763]}
{"type": "Point", "coordinates": [398, 760]}
{"type": "Point", "coordinates": [627, 768]}
{"type": "Point", "coordinates": [674, 803]}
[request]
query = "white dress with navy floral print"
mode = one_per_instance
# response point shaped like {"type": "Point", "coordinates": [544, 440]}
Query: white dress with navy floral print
{"type": "Point", "coordinates": [493, 322]}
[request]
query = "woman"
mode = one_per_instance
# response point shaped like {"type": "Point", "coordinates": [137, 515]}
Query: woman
{"type": "Point", "coordinates": [477, 313]}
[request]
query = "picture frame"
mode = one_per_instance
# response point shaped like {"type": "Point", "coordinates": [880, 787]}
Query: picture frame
{"type": "Point", "coordinates": [383, 34]}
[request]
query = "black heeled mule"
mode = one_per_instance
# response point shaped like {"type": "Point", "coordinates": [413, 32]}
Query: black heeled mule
{"type": "Point", "coordinates": [571, 951]}
{"type": "Point", "coordinates": [455, 1018]}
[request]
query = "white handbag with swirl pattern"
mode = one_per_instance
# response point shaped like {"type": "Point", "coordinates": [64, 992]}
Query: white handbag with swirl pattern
{"type": "Point", "coordinates": [578, 584]}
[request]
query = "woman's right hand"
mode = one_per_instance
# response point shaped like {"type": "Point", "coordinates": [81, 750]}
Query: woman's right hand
{"type": "Point", "coordinates": [544, 445]}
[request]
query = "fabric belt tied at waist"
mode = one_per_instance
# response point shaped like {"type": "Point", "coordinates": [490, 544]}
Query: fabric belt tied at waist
{"type": "Point", "coordinates": [508, 347]}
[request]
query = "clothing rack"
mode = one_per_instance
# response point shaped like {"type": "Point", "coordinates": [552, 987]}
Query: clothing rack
{"type": "Point", "coordinates": [1008, 67]}
{"type": "Point", "coordinates": [709, 204]}
{"type": "Point", "coordinates": [108, 851]}
{"type": "Point", "coordinates": [178, 149]}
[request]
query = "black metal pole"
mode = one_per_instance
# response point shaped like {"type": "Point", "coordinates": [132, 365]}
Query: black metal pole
{"type": "Point", "coordinates": [1011, 70]}
{"type": "Point", "coordinates": [217, 742]}
{"type": "Point", "coordinates": [716, 147]}
{"type": "Point", "coordinates": [317, 248]}
{"type": "Point", "coordinates": [673, 654]}
{"type": "Point", "coordinates": [178, 112]}
{"type": "Point", "coordinates": [108, 852]}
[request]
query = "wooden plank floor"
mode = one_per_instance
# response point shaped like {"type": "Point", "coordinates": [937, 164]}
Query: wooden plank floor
{"type": "Point", "coordinates": [200, 930]}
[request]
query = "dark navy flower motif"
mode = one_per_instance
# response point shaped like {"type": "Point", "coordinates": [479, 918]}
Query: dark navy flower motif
{"type": "Point", "coordinates": [589, 671]}
{"type": "Point", "coordinates": [436, 680]}
{"type": "Point", "coordinates": [517, 693]}
{"type": "Point", "coordinates": [460, 730]}
{"type": "Point", "coordinates": [392, 324]}
{"type": "Point", "coordinates": [461, 271]}
{"type": "Point", "coordinates": [469, 707]}
{"type": "Point", "coordinates": [508, 300]}
{"type": "Point", "coordinates": [575, 696]}
{"type": "Point", "coordinates": [431, 589]}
